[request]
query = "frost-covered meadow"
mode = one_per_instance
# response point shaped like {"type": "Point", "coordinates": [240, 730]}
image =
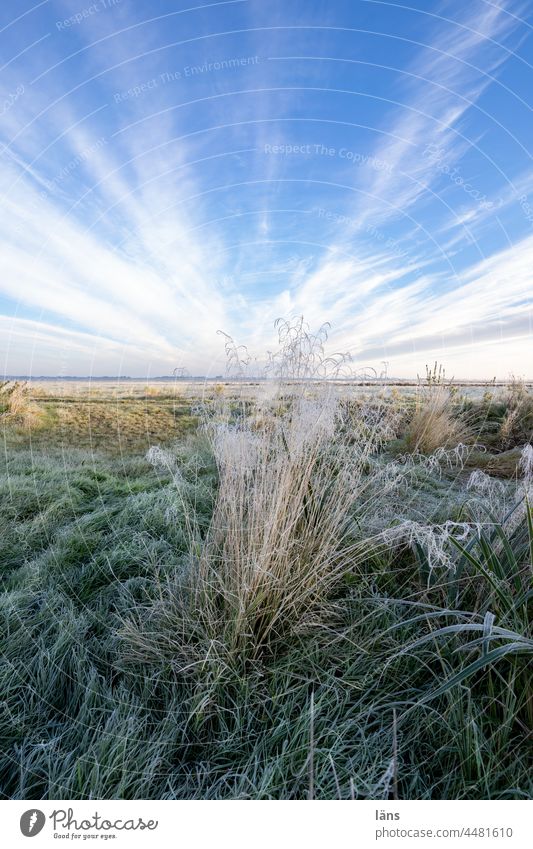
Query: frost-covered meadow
{"type": "Point", "coordinates": [286, 591]}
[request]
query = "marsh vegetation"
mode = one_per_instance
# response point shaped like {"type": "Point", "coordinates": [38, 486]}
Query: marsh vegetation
{"type": "Point", "coordinates": [284, 593]}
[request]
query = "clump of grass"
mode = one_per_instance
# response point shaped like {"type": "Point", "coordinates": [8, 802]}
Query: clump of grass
{"type": "Point", "coordinates": [517, 424]}
{"type": "Point", "coordinates": [289, 473]}
{"type": "Point", "coordinates": [16, 403]}
{"type": "Point", "coordinates": [435, 422]}
{"type": "Point", "coordinates": [280, 534]}
{"type": "Point", "coordinates": [491, 587]}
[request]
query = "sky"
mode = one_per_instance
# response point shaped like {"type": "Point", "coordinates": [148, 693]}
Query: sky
{"type": "Point", "coordinates": [172, 168]}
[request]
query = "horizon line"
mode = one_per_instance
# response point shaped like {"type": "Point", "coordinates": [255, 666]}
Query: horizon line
{"type": "Point", "coordinates": [357, 381]}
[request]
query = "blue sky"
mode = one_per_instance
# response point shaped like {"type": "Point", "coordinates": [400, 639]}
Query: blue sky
{"type": "Point", "coordinates": [171, 168]}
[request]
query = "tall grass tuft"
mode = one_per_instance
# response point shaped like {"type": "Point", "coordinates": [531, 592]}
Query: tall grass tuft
{"type": "Point", "coordinates": [289, 474]}
{"type": "Point", "coordinates": [281, 529]}
{"type": "Point", "coordinates": [517, 424]}
{"type": "Point", "coordinates": [16, 403]}
{"type": "Point", "coordinates": [434, 423]}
